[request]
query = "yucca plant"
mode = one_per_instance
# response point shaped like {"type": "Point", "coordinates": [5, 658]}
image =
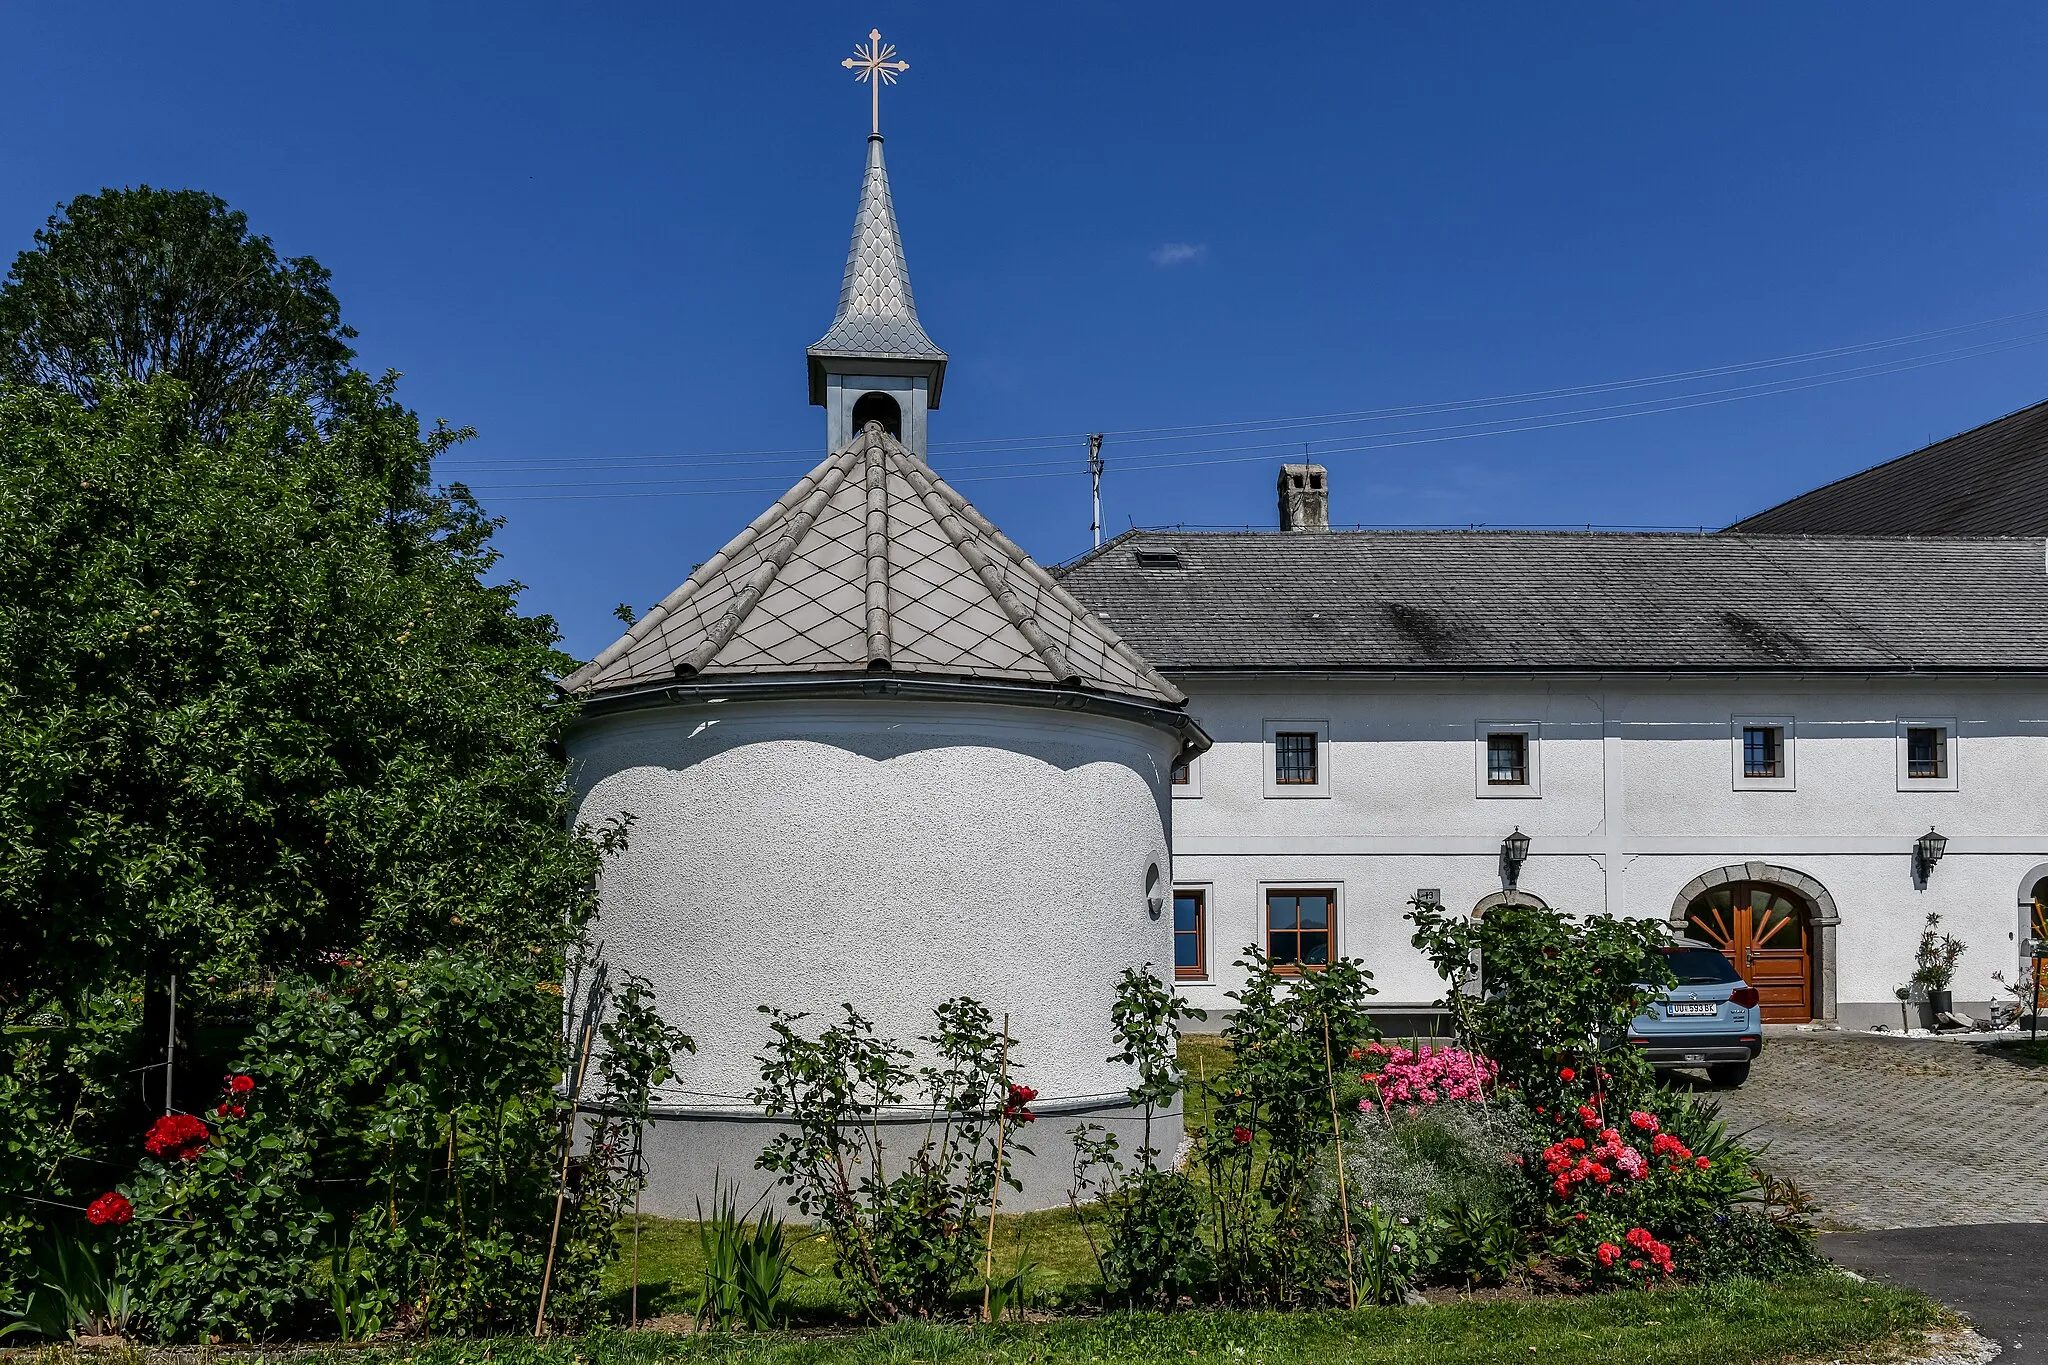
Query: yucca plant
{"type": "Point", "coordinates": [746, 1267]}
{"type": "Point", "coordinates": [80, 1292]}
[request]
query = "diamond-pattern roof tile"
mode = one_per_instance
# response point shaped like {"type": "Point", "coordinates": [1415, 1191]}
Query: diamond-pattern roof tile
{"type": "Point", "coordinates": [872, 563]}
{"type": "Point", "coordinates": [877, 313]}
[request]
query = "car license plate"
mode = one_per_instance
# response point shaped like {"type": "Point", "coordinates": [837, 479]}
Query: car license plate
{"type": "Point", "coordinates": [1695, 1056]}
{"type": "Point", "coordinates": [1707, 1007]}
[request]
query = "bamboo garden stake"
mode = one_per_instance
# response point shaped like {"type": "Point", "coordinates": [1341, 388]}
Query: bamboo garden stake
{"type": "Point", "coordinates": [995, 1193]}
{"type": "Point", "coordinates": [592, 1009]}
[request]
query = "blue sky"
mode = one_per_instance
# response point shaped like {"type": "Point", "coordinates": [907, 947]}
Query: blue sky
{"type": "Point", "coordinates": [603, 235]}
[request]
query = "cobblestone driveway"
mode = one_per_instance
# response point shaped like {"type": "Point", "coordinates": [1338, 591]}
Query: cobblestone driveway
{"type": "Point", "coordinates": [1887, 1133]}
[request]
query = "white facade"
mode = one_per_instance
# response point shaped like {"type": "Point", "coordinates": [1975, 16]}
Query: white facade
{"type": "Point", "coordinates": [887, 853]}
{"type": "Point", "coordinates": [1635, 788]}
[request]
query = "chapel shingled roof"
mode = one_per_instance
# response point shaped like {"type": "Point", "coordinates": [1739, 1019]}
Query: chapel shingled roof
{"type": "Point", "coordinates": [1501, 601]}
{"type": "Point", "coordinates": [1989, 481]}
{"type": "Point", "coordinates": [877, 316]}
{"type": "Point", "coordinates": [873, 563]}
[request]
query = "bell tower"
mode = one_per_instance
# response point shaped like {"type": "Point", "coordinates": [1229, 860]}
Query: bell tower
{"type": "Point", "coordinates": [876, 363]}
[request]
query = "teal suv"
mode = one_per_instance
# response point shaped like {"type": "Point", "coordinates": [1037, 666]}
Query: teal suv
{"type": "Point", "coordinates": [1711, 1018]}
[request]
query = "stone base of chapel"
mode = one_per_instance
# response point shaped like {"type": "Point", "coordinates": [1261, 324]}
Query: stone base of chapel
{"type": "Point", "coordinates": [688, 1153]}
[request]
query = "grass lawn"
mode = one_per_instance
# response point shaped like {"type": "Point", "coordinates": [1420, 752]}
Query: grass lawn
{"type": "Point", "coordinates": [1737, 1323]}
{"type": "Point", "coordinates": [1052, 1243]}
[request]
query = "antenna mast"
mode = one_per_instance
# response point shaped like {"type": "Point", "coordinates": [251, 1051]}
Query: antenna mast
{"type": "Point", "coordinates": [1095, 479]}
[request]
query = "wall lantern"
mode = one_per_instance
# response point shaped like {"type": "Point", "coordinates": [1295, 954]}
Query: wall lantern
{"type": "Point", "coordinates": [1927, 851]}
{"type": "Point", "coordinates": [1155, 897]}
{"type": "Point", "coordinates": [1514, 851]}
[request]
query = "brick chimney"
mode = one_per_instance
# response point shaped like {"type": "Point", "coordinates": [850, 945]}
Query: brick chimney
{"type": "Point", "coordinates": [1304, 497]}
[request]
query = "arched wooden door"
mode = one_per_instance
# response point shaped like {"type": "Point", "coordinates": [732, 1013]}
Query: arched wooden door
{"type": "Point", "coordinates": [1764, 930]}
{"type": "Point", "coordinates": [2039, 921]}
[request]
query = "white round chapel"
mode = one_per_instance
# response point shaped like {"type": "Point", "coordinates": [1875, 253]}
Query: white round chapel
{"type": "Point", "coordinates": [874, 754]}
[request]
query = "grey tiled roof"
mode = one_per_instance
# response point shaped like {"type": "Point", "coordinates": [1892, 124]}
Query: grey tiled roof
{"type": "Point", "coordinates": [1479, 601]}
{"type": "Point", "coordinates": [877, 314]}
{"type": "Point", "coordinates": [1989, 481]}
{"type": "Point", "coordinates": [873, 563]}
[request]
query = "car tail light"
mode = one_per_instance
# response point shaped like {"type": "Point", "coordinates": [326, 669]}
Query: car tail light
{"type": "Point", "coordinates": [1745, 996]}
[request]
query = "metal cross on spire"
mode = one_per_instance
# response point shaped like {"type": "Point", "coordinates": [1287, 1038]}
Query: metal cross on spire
{"type": "Point", "coordinates": [872, 61]}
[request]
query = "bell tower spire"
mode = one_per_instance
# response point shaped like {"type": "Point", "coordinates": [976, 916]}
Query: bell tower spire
{"type": "Point", "coordinates": [876, 363]}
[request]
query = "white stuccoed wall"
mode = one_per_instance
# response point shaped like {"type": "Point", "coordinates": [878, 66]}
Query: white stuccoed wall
{"type": "Point", "coordinates": [887, 853]}
{"type": "Point", "coordinates": [1637, 797]}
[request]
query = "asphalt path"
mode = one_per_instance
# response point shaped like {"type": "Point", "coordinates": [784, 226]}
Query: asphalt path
{"type": "Point", "coordinates": [1995, 1274]}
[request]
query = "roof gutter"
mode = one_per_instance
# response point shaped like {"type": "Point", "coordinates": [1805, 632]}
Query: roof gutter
{"type": "Point", "coordinates": [1581, 674]}
{"type": "Point", "coordinates": [1194, 740]}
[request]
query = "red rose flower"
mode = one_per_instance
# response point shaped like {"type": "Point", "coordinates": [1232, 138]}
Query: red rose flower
{"type": "Point", "coordinates": [242, 1085]}
{"type": "Point", "coordinates": [177, 1136]}
{"type": "Point", "coordinates": [1567, 1074]}
{"type": "Point", "coordinates": [111, 1207]}
{"type": "Point", "coordinates": [1240, 1135]}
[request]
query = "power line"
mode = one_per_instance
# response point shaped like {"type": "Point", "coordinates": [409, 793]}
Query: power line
{"type": "Point", "coordinates": [1202, 457]}
{"type": "Point", "coordinates": [1142, 435]}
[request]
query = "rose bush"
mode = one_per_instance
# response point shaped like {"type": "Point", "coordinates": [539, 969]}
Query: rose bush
{"type": "Point", "coordinates": [1427, 1075]}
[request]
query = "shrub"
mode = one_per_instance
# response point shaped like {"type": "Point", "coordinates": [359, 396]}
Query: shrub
{"type": "Point", "coordinates": [63, 1097]}
{"type": "Point", "coordinates": [1418, 1162]}
{"type": "Point", "coordinates": [232, 1221]}
{"type": "Point", "coordinates": [398, 1122]}
{"type": "Point", "coordinates": [1618, 1175]}
{"type": "Point", "coordinates": [1744, 1242]}
{"type": "Point", "coordinates": [1425, 1076]}
{"type": "Point", "coordinates": [1442, 1180]}
{"type": "Point", "coordinates": [899, 1243]}
{"type": "Point", "coordinates": [1155, 1253]}
{"type": "Point", "coordinates": [1278, 1239]}
{"type": "Point", "coordinates": [1936, 955]}
{"type": "Point", "coordinates": [1546, 997]}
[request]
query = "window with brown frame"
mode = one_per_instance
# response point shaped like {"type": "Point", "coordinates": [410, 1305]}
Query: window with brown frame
{"type": "Point", "coordinates": [1180, 774]}
{"type": "Point", "coordinates": [1298, 928]}
{"type": "Point", "coordinates": [1294, 757]}
{"type": "Point", "coordinates": [1190, 934]}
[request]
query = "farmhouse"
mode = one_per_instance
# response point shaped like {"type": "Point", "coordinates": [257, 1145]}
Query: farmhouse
{"type": "Point", "coordinates": [1792, 747]}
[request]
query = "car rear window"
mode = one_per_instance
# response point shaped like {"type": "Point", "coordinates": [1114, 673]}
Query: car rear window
{"type": "Point", "coordinates": [1699, 966]}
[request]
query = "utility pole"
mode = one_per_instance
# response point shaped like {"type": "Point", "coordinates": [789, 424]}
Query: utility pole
{"type": "Point", "coordinates": [1095, 478]}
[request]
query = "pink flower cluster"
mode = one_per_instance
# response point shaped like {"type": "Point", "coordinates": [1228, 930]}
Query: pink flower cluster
{"type": "Point", "coordinates": [1427, 1075]}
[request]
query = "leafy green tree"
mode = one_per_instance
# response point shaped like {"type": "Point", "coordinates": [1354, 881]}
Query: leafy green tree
{"type": "Point", "coordinates": [135, 283]}
{"type": "Point", "coordinates": [260, 703]}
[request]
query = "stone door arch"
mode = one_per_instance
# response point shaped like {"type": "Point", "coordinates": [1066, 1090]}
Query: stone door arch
{"type": "Point", "coordinates": [1822, 917]}
{"type": "Point", "coordinates": [2034, 923]}
{"type": "Point", "coordinates": [1528, 898]}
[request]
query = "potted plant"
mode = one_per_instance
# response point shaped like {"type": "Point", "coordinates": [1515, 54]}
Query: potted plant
{"type": "Point", "coordinates": [1934, 966]}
